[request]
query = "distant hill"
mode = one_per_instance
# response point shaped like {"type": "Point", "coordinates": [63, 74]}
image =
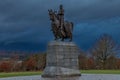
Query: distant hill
{"type": "Point", "coordinates": [13, 54]}
{"type": "Point", "coordinates": [23, 46]}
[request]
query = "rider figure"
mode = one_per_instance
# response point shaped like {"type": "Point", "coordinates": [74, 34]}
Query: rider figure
{"type": "Point", "coordinates": [61, 19]}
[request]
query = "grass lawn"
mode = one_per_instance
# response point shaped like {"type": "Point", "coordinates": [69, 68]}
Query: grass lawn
{"type": "Point", "coordinates": [12, 74]}
{"type": "Point", "coordinates": [100, 71]}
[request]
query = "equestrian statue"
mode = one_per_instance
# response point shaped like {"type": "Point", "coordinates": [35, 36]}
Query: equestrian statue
{"type": "Point", "coordinates": [60, 28]}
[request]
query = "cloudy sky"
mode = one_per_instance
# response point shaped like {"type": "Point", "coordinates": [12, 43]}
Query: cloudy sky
{"type": "Point", "coordinates": [25, 24]}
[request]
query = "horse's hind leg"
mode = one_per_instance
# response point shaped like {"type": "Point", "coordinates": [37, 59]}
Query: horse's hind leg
{"type": "Point", "coordinates": [70, 37]}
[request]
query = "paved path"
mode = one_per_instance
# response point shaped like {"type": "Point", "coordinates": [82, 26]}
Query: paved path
{"type": "Point", "coordinates": [83, 77]}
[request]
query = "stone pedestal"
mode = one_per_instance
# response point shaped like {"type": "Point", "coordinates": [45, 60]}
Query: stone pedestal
{"type": "Point", "coordinates": [62, 60]}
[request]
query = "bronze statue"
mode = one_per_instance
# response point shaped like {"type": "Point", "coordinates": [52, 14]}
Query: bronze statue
{"type": "Point", "coordinates": [61, 29]}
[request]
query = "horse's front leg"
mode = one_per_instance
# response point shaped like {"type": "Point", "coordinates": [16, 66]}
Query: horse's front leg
{"type": "Point", "coordinates": [70, 37]}
{"type": "Point", "coordinates": [55, 37]}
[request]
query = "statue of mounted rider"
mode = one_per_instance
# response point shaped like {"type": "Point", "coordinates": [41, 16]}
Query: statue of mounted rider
{"type": "Point", "coordinates": [60, 28]}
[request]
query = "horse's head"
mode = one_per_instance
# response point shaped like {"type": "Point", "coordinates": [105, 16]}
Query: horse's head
{"type": "Point", "coordinates": [51, 14]}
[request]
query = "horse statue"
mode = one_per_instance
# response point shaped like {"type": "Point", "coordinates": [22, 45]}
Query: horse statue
{"type": "Point", "coordinates": [63, 32]}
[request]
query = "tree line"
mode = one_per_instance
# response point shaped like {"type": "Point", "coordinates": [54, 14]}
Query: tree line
{"type": "Point", "coordinates": [33, 62]}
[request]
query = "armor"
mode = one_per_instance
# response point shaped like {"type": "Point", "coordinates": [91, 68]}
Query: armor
{"type": "Point", "coordinates": [61, 19]}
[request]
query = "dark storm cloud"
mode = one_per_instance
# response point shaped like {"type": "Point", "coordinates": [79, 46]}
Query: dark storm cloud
{"type": "Point", "coordinates": [22, 18]}
{"type": "Point", "coordinates": [80, 10]}
{"type": "Point", "coordinates": [28, 20]}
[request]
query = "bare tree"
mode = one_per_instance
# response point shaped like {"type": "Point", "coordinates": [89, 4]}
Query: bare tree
{"type": "Point", "coordinates": [103, 50]}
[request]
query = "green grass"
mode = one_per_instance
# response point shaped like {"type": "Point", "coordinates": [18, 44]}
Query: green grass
{"type": "Point", "coordinates": [100, 71]}
{"type": "Point", "coordinates": [12, 74]}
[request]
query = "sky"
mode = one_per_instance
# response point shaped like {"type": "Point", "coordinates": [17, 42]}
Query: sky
{"type": "Point", "coordinates": [25, 24]}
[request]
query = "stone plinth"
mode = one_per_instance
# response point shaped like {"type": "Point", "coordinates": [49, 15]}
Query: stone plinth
{"type": "Point", "coordinates": [62, 60]}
